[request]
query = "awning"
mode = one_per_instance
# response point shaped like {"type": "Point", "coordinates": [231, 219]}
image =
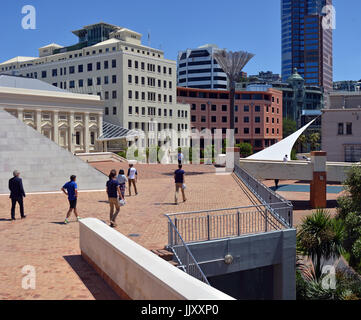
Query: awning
{"type": "Point", "coordinates": [114, 132]}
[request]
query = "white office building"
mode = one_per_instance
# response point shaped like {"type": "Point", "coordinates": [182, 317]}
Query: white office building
{"type": "Point", "coordinates": [197, 68]}
{"type": "Point", "coordinates": [136, 82]}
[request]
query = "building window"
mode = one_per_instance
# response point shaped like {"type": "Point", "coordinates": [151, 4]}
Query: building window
{"type": "Point", "coordinates": [257, 119]}
{"type": "Point", "coordinates": [98, 65]}
{"type": "Point", "coordinates": [114, 110]}
{"type": "Point", "coordinates": [114, 94]}
{"type": "Point", "coordinates": [340, 129]}
{"type": "Point", "coordinates": [349, 128]}
{"type": "Point", "coordinates": [90, 67]}
{"type": "Point", "coordinates": [246, 119]}
{"type": "Point", "coordinates": [246, 108]}
{"type": "Point", "coordinates": [71, 69]}
{"type": "Point", "coordinates": [129, 63]}
{"type": "Point", "coordinates": [114, 79]}
{"type": "Point", "coordinates": [114, 63]}
{"type": "Point", "coordinates": [77, 138]}
{"type": "Point", "coordinates": [246, 130]}
{"type": "Point", "coordinates": [224, 107]}
{"type": "Point", "coordinates": [106, 111]}
{"type": "Point", "coordinates": [106, 64]}
{"type": "Point", "coordinates": [43, 74]}
{"type": "Point", "coordinates": [92, 138]}
{"type": "Point", "coordinates": [224, 119]}
{"type": "Point", "coordinates": [80, 68]}
{"type": "Point", "coordinates": [257, 109]}
{"type": "Point", "coordinates": [90, 82]}
{"type": "Point", "coordinates": [54, 72]}
{"type": "Point", "coordinates": [106, 80]}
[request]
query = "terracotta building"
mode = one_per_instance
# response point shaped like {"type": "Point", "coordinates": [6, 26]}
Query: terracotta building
{"type": "Point", "coordinates": [258, 114]}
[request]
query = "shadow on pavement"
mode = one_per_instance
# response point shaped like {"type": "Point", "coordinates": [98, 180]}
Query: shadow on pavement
{"type": "Point", "coordinates": [306, 205]}
{"type": "Point", "coordinates": [91, 279]}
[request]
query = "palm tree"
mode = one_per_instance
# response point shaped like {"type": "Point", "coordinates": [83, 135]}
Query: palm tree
{"type": "Point", "coordinates": [320, 237]}
{"type": "Point", "coordinates": [314, 139]}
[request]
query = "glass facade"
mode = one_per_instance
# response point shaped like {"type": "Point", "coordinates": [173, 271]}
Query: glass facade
{"type": "Point", "coordinates": [305, 44]}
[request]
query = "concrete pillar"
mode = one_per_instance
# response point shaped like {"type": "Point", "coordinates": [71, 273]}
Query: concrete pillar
{"type": "Point", "coordinates": [86, 132]}
{"type": "Point", "coordinates": [232, 158]}
{"type": "Point", "coordinates": [71, 137]}
{"type": "Point", "coordinates": [21, 114]}
{"type": "Point", "coordinates": [38, 120]}
{"type": "Point", "coordinates": [318, 194]}
{"type": "Point", "coordinates": [56, 126]}
{"type": "Point", "coordinates": [284, 274]}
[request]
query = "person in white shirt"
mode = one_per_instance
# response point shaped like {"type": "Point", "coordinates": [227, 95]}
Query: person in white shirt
{"type": "Point", "coordinates": [132, 179]}
{"type": "Point", "coordinates": [285, 159]}
{"type": "Point", "coordinates": [180, 157]}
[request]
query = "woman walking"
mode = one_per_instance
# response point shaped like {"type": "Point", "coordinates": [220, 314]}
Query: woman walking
{"type": "Point", "coordinates": [122, 179]}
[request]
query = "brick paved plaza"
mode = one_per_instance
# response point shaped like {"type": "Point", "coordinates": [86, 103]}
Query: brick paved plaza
{"type": "Point", "coordinates": [43, 241]}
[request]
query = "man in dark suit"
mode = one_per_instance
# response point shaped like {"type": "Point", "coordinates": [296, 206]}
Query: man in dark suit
{"type": "Point", "coordinates": [17, 194]}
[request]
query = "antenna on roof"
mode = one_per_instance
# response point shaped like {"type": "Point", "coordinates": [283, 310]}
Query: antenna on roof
{"type": "Point", "coordinates": [148, 38]}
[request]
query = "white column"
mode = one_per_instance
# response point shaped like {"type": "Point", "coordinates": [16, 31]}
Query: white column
{"type": "Point", "coordinates": [38, 120]}
{"type": "Point", "coordinates": [71, 132]}
{"type": "Point", "coordinates": [86, 132]}
{"type": "Point", "coordinates": [56, 126]}
{"type": "Point", "coordinates": [21, 114]}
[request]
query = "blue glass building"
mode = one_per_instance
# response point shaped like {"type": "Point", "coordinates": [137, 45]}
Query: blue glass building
{"type": "Point", "coordinates": [306, 44]}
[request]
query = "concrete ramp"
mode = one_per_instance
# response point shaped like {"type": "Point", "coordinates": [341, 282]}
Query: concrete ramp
{"type": "Point", "coordinates": [44, 165]}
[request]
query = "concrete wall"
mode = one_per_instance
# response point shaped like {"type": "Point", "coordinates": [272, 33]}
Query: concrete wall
{"type": "Point", "coordinates": [293, 170]}
{"type": "Point", "coordinates": [277, 249]}
{"type": "Point", "coordinates": [136, 273]}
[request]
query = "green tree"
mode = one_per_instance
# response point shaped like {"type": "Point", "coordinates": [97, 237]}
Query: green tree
{"type": "Point", "coordinates": [246, 149]}
{"type": "Point", "coordinates": [320, 237]}
{"type": "Point", "coordinates": [349, 213]}
{"type": "Point", "coordinates": [315, 139]}
{"type": "Point", "coordinates": [289, 127]}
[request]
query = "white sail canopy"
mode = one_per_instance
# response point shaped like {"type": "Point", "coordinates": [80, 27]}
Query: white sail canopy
{"type": "Point", "coordinates": [279, 150]}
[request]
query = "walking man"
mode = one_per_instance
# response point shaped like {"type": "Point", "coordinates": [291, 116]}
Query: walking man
{"type": "Point", "coordinates": [179, 183]}
{"type": "Point", "coordinates": [114, 193]}
{"type": "Point", "coordinates": [285, 159]}
{"type": "Point", "coordinates": [71, 190]}
{"type": "Point", "coordinates": [132, 179]}
{"type": "Point", "coordinates": [17, 194]}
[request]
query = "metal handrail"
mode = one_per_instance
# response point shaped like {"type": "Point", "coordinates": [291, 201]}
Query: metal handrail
{"type": "Point", "coordinates": [267, 196]}
{"type": "Point", "coordinates": [190, 265]}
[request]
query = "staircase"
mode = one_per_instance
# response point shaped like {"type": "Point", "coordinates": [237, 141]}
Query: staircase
{"type": "Point", "coordinates": [165, 255]}
{"type": "Point", "coordinates": [44, 165]}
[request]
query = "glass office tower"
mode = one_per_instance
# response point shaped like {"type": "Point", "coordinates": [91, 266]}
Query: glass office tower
{"type": "Point", "coordinates": [306, 45]}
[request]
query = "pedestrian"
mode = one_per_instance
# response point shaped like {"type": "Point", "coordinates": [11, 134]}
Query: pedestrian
{"type": "Point", "coordinates": [276, 183]}
{"type": "Point", "coordinates": [122, 179]}
{"type": "Point", "coordinates": [113, 191]}
{"type": "Point", "coordinates": [71, 190]}
{"type": "Point", "coordinates": [17, 194]}
{"type": "Point", "coordinates": [132, 179]}
{"type": "Point", "coordinates": [180, 157]}
{"type": "Point", "coordinates": [179, 183]}
{"type": "Point", "coordinates": [285, 159]}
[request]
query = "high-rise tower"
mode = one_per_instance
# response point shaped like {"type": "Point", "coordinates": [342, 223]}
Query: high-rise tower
{"type": "Point", "coordinates": [307, 41]}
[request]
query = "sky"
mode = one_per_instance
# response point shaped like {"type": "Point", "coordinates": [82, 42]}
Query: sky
{"type": "Point", "coordinates": [250, 25]}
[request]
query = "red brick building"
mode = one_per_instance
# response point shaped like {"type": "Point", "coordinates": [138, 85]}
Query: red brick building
{"type": "Point", "coordinates": [258, 114]}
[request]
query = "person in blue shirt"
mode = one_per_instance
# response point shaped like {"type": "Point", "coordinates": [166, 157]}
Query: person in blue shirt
{"type": "Point", "coordinates": [114, 193]}
{"type": "Point", "coordinates": [71, 190]}
{"type": "Point", "coordinates": [179, 183]}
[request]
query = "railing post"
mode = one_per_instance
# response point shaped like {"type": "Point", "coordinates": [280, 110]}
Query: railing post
{"type": "Point", "coordinates": [266, 220]}
{"type": "Point", "coordinates": [208, 227]}
{"type": "Point", "coordinates": [170, 234]}
{"type": "Point", "coordinates": [176, 225]}
{"type": "Point", "coordinates": [238, 222]}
